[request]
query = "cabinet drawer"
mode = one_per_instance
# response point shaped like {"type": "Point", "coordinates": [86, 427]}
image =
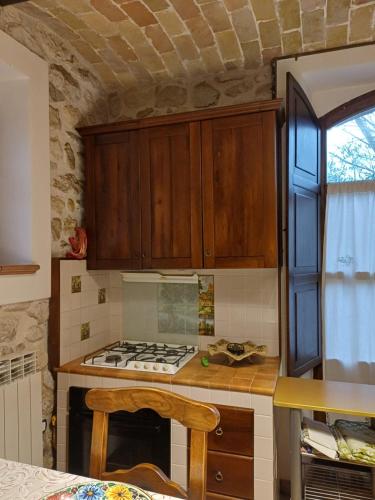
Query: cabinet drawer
{"type": "Point", "coordinates": [231, 475]}
{"type": "Point", "coordinates": [216, 496]}
{"type": "Point", "coordinates": [235, 432]}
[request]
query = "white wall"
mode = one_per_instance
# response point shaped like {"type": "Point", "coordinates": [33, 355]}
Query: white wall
{"type": "Point", "coordinates": [330, 78]}
{"type": "Point", "coordinates": [24, 170]}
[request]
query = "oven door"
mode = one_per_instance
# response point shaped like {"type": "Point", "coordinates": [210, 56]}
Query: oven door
{"type": "Point", "coordinates": [133, 438]}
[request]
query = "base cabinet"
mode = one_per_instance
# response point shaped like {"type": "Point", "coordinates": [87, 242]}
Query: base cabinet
{"type": "Point", "coordinates": [230, 456]}
{"type": "Point", "coordinates": [230, 474]}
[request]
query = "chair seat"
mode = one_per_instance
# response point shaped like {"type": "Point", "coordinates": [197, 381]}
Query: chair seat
{"type": "Point", "coordinates": [149, 477]}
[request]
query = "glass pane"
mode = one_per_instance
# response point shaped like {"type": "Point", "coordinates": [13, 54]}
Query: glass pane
{"type": "Point", "coordinates": [351, 149]}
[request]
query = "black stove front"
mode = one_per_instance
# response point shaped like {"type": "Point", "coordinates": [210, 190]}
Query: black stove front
{"type": "Point", "coordinates": [133, 438]}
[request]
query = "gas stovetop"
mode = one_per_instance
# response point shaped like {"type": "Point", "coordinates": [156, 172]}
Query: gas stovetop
{"type": "Point", "coordinates": [142, 356]}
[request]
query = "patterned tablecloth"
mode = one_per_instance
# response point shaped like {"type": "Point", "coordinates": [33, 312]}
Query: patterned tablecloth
{"type": "Point", "coordinates": [27, 482]}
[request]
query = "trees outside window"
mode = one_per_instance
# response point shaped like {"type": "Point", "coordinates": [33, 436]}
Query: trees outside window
{"type": "Point", "coordinates": [351, 149]}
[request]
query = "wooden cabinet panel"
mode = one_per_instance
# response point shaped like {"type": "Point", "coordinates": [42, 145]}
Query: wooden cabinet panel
{"type": "Point", "coordinates": [239, 191]}
{"type": "Point", "coordinates": [235, 433]}
{"type": "Point", "coordinates": [113, 214]}
{"type": "Point", "coordinates": [171, 196]}
{"type": "Point", "coordinates": [230, 475]}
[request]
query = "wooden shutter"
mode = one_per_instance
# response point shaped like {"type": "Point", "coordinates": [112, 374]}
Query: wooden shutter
{"type": "Point", "coordinates": [303, 232]}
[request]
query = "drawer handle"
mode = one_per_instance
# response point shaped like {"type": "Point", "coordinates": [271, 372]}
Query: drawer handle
{"type": "Point", "coordinates": [219, 432]}
{"type": "Point", "coordinates": [219, 476]}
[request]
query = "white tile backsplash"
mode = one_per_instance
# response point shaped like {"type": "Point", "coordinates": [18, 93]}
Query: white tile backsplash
{"type": "Point", "coordinates": [82, 307]}
{"type": "Point", "coordinates": [246, 308]}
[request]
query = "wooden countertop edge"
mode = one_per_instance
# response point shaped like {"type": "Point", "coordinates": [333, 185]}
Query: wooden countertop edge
{"type": "Point", "coordinates": [326, 396]}
{"type": "Point", "coordinates": [326, 409]}
{"type": "Point", "coordinates": [74, 367]}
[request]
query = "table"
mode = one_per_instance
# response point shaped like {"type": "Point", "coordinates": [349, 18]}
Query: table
{"type": "Point", "coordinates": [299, 394]}
{"type": "Point", "coordinates": [22, 481]}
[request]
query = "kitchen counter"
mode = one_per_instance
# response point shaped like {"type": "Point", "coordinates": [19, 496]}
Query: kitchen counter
{"type": "Point", "coordinates": [259, 377]}
{"type": "Point", "coordinates": [299, 394]}
{"type": "Point", "coordinates": [326, 396]}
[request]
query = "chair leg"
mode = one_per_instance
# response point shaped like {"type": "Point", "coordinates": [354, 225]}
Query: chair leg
{"type": "Point", "coordinates": [198, 465]}
{"type": "Point", "coordinates": [99, 440]}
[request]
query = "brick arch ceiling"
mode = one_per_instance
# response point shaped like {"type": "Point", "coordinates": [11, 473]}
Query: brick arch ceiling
{"type": "Point", "coordinates": [132, 41]}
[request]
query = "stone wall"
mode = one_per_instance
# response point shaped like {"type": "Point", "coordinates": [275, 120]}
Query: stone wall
{"type": "Point", "coordinates": [173, 96]}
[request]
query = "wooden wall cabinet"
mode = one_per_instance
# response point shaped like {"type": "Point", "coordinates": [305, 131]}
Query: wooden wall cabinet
{"type": "Point", "coordinates": [190, 190]}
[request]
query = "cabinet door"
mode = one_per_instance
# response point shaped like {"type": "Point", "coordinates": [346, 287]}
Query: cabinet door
{"type": "Point", "coordinates": [239, 191]}
{"type": "Point", "coordinates": [171, 196]}
{"type": "Point", "coordinates": [113, 214]}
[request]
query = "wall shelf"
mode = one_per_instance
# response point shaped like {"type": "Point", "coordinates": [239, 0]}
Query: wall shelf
{"type": "Point", "coordinates": [19, 269]}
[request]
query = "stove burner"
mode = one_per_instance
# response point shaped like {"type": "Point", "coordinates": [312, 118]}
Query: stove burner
{"type": "Point", "coordinates": [128, 355]}
{"type": "Point", "coordinates": [172, 352]}
{"type": "Point", "coordinates": [112, 358]}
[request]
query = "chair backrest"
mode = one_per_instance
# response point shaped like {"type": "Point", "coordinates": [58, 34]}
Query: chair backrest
{"type": "Point", "coordinates": [201, 418]}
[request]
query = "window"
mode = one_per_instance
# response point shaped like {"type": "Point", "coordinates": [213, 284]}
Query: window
{"type": "Point", "coordinates": [25, 248]}
{"type": "Point", "coordinates": [351, 149]}
{"type": "Point", "coordinates": [349, 270]}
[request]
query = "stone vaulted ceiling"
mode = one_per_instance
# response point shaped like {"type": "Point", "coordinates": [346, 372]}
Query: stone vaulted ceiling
{"type": "Point", "coordinates": [148, 41]}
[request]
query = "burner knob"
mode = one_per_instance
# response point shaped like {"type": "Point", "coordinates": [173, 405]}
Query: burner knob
{"type": "Point", "coordinates": [156, 366]}
{"type": "Point", "coordinates": [137, 365]}
{"type": "Point", "coordinates": [165, 368]}
{"type": "Point", "coordinates": [146, 366]}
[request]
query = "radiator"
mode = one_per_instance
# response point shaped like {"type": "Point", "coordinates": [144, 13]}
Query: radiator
{"type": "Point", "coordinates": [21, 435]}
{"type": "Point", "coordinates": [324, 482]}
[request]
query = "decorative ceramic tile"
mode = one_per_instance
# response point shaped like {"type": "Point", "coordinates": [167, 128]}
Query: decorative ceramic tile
{"type": "Point", "coordinates": [206, 305]}
{"type": "Point", "coordinates": [101, 296]}
{"type": "Point", "coordinates": [177, 308]}
{"type": "Point", "coordinates": [85, 331]}
{"type": "Point", "coordinates": [76, 284]}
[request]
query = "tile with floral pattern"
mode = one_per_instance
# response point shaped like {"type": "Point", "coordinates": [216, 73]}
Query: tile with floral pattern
{"type": "Point", "coordinates": [101, 296]}
{"type": "Point", "coordinates": [206, 305]}
{"type": "Point", "coordinates": [76, 284]}
{"type": "Point", "coordinates": [85, 331]}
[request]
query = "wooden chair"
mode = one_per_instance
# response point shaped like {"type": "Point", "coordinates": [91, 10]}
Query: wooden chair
{"type": "Point", "coordinates": [201, 418]}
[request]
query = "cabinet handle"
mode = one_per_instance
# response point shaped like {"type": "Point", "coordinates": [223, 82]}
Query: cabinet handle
{"type": "Point", "coordinates": [219, 476]}
{"type": "Point", "coordinates": [143, 256]}
{"type": "Point", "coordinates": [219, 432]}
{"type": "Point", "coordinates": [207, 253]}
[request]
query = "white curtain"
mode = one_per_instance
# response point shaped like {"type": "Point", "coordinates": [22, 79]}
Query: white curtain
{"type": "Point", "coordinates": [349, 283]}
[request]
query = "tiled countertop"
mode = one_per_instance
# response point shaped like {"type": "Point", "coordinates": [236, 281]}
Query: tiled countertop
{"type": "Point", "coordinates": [257, 378]}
